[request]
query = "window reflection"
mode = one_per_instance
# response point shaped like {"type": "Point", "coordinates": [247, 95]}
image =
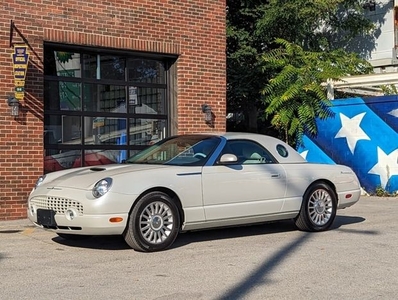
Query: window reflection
{"type": "Point", "coordinates": [65, 95]}
{"type": "Point", "coordinates": [105, 131]}
{"type": "Point", "coordinates": [61, 63]}
{"type": "Point", "coordinates": [71, 130]}
{"type": "Point", "coordinates": [68, 64]}
{"type": "Point", "coordinates": [90, 66]}
{"type": "Point", "coordinates": [62, 129]}
{"type": "Point", "coordinates": [105, 98]}
{"type": "Point", "coordinates": [61, 160]}
{"type": "Point", "coordinates": [146, 70]}
{"type": "Point", "coordinates": [147, 100]}
{"type": "Point", "coordinates": [112, 67]}
{"type": "Point", "coordinates": [99, 157]}
{"type": "Point", "coordinates": [146, 131]}
{"type": "Point", "coordinates": [69, 95]}
{"type": "Point", "coordinates": [112, 98]}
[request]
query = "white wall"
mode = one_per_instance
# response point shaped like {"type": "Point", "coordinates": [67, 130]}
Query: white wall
{"type": "Point", "coordinates": [383, 17]}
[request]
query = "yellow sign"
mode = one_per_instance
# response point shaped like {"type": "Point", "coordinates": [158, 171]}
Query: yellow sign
{"type": "Point", "coordinates": [20, 60]}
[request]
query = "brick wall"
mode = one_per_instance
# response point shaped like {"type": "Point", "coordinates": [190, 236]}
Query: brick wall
{"type": "Point", "coordinates": [193, 29]}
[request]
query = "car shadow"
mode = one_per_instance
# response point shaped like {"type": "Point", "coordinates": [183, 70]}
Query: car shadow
{"type": "Point", "coordinates": [99, 242]}
{"type": "Point", "coordinates": [118, 243]}
{"type": "Point", "coordinates": [345, 220]}
{"type": "Point", "coordinates": [196, 236]}
{"type": "Point", "coordinates": [250, 230]}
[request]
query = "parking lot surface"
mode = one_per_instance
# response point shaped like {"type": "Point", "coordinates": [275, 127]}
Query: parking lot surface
{"type": "Point", "coordinates": [356, 259]}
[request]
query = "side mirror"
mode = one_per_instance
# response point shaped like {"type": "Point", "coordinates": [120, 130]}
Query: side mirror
{"type": "Point", "coordinates": [228, 159]}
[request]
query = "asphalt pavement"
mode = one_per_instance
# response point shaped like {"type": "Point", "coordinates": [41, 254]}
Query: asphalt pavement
{"type": "Point", "coordinates": [356, 259]}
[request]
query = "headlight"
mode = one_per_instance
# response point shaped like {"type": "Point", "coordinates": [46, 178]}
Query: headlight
{"type": "Point", "coordinates": [40, 181]}
{"type": "Point", "coordinates": [102, 187]}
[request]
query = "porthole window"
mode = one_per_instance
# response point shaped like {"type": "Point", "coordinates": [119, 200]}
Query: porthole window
{"type": "Point", "coordinates": [282, 150]}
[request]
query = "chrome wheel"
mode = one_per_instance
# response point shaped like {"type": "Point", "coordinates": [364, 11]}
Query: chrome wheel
{"type": "Point", "coordinates": [320, 207]}
{"type": "Point", "coordinates": [156, 222]}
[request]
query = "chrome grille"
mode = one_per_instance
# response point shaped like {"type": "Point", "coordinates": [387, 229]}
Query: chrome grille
{"type": "Point", "coordinates": [59, 205]}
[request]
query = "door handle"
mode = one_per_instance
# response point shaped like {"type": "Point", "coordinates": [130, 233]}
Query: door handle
{"type": "Point", "coordinates": [275, 175]}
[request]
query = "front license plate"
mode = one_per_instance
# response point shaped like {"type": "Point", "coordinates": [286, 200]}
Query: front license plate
{"type": "Point", "coordinates": [45, 217]}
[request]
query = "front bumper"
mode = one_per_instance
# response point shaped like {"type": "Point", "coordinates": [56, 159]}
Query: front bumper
{"type": "Point", "coordinates": [85, 225]}
{"type": "Point", "coordinates": [75, 211]}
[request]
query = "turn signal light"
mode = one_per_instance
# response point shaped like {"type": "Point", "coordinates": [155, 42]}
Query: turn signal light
{"type": "Point", "coordinates": [116, 220]}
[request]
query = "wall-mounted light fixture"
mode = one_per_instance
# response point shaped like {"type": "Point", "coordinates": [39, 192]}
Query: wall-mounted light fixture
{"type": "Point", "coordinates": [13, 103]}
{"type": "Point", "coordinates": [206, 109]}
{"type": "Point", "coordinates": [370, 5]}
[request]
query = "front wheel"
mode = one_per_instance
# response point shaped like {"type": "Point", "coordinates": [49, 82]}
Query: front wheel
{"type": "Point", "coordinates": [318, 209]}
{"type": "Point", "coordinates": [153, 224]}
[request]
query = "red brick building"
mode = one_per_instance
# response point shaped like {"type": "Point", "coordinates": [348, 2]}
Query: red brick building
{"type": "Point", "coordinates": [103, 80]}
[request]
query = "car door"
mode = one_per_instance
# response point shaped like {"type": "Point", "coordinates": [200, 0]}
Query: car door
{"type": "Point", "coordinates": [255, 185]}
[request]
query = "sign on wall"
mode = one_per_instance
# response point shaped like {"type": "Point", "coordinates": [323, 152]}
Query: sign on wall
{"type": "Point", "coordinates": [20, 60]}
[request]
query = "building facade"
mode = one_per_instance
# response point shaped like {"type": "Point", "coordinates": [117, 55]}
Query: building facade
{"type": "Point", "coordinates": [381, 50]}
{"type": "Point", "coordinates": [95, 82]}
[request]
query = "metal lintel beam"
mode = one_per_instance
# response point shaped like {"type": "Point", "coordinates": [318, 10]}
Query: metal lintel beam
{"type": "Point", "coordinates": [365, 80]}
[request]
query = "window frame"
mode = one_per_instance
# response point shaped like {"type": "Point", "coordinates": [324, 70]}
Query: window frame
{"type": "Point", "coordinates": [168, 105]}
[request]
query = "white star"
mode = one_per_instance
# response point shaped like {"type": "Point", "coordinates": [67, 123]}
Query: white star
{"type": "Point", "coordinates": [387, 166]}
{"type": "Point", "coordinates": [351, 130]}
{"type": "Point", "coordinates": [394, 113]}
{"type": "Point", "coordinates": [304, 154]}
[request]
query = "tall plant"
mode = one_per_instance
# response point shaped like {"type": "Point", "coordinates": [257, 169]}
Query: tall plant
{"type": "Point", "coordinates": [319, 26]}
{"type": "Point", "coordinates": [294, 98]}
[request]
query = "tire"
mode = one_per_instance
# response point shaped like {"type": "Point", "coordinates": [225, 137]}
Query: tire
{"type": "Point", "coordinates": [73, 237]}
{"type": "Point", "coordinates": [318, 209]}
{"type": "Point", "coordinates": [154, 223]}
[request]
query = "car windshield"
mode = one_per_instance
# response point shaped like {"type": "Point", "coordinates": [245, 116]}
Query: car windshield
{"type": "Point", "coordinates": [187, 150]}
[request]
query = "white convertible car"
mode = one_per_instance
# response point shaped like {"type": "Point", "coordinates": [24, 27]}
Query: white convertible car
{"type": "Point", "coordinates": [191, 182]}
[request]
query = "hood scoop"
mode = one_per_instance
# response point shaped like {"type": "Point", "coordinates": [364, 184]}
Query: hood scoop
{"type": "Point", "coordinates": [97, 169]}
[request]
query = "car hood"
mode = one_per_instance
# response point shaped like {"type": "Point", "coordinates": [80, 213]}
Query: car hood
{"type": "Point", "coordinates": [86, 177]}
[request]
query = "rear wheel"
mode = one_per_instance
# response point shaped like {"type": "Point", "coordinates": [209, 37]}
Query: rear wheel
{"type": "Point", "coordinates": [154, 223]}
{"type": "Point", "coordinates": [318, 209]}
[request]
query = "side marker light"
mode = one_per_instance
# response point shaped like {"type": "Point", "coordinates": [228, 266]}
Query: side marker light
{"type": "Point", "coordinates": [116, 220]}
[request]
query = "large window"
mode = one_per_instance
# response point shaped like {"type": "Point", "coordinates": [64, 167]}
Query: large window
{"type": "Point", "coordinates": [100, 106]}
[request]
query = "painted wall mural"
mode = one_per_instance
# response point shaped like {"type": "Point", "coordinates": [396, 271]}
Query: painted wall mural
{"type": "Point", "coordinates": [362, 134]}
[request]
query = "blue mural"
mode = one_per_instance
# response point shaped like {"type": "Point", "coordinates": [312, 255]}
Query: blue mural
{"type": "Point", "coordinates": [362, 134]}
